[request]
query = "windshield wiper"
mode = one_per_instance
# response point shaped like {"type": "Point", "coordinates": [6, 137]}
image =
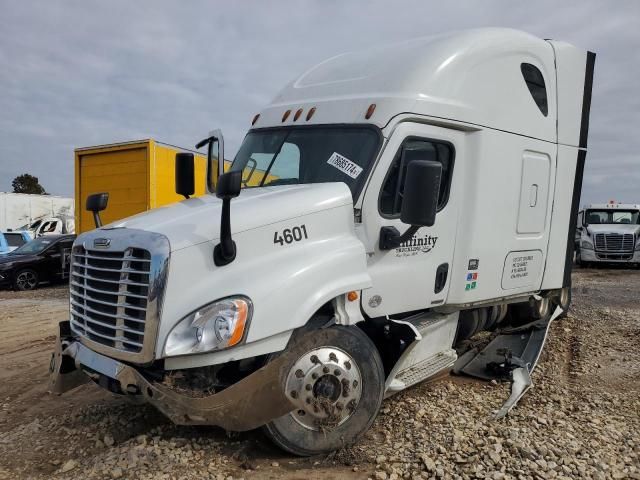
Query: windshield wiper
{"type": "Point", "coordinates": [275, 156]}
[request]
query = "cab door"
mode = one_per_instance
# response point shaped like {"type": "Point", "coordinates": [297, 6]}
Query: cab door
{"type": "Point", "coordinates": [415, 275]}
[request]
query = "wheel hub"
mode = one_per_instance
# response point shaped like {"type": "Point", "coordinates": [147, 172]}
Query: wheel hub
{"type": "Point", "coordinates": [325, 385]}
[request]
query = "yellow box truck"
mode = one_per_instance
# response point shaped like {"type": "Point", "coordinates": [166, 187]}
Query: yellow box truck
{"type": "Point", "coordinates": [138, 176]}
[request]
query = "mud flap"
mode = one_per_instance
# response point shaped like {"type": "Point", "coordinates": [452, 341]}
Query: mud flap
{"type": "Point", "coordinates": [63, 374]}
{"type": "Point", "coordinates": [512, 355]}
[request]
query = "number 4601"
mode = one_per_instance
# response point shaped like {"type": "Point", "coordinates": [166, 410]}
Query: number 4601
{"type": "Point", "coordinates": [290, 235]}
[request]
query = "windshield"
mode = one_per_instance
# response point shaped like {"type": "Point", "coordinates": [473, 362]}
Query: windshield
{"type": "Point", "coordinates": [612, 217]}
{"type": "Point", "coordinates": [318, 154]}
{"type": "Point", "coordinates": [34, 246]}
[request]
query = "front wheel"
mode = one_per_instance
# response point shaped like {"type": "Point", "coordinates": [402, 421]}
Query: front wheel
{"type": "Point", "coordinates": [26, 279]}
{"type": "Point", "coordinates": [337, 386]}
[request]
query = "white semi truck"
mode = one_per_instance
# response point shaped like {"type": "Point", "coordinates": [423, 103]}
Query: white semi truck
{"type": "Point", "coordinates": [608, 234]}
{"type": "Point", "coordinates": [409, 197]}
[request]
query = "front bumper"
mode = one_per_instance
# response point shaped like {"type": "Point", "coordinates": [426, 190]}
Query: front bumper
{"type": "Point", "coordinates": [609, 257]}
{"type": "Point", "coordinates": [245, 405]}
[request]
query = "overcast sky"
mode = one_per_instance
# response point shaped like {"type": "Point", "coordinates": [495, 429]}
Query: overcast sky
{"type": "Point", "coordinates": [80, 73]}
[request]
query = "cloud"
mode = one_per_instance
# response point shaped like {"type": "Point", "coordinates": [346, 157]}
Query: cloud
{"type": "Point", "coordinates": [78, 73]}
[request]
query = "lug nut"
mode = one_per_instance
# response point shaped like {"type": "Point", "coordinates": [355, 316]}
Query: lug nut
{"type": "Point", "coordinates": [294, 394]}
{"type": "Point", "coordinates": [314, 376]}
{"type": "Point", "coordinates": [299, 373]}
{"type": "Point", "coordinates": [355, 383]}
{"type": "Point", "coordinates": [314, 359]}
{"type": "Point", "coordinates": [332, 357]}
{"type": "Point", "coordinates": [347, 365]}
{"type": "Point", "coordinates": [325, 369]}
{"type": "Point", "coordinates": [301, 413]}
{"type": "Point", "coordinates": [307, 387]}
{"type": "Point", "coordinates": [336, 372]}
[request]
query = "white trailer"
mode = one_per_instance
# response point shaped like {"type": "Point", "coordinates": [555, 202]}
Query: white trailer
{"type": "Point", "coordinates": [38, 214]}
{"type": "Point", "coordinates": [608, 233]}
{"type": "Point", "coordinates": [409, 196]}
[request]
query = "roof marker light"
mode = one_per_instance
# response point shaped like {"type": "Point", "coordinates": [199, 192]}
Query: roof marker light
{"type": "Point", "coordinates": [310, 113]}
{"type": "Point", "coordinates": [286, 115]}
{"type": "Point", "coordinates": [255, 119]}
{"type": "Point", "coordinates": [370, 110]}
{"type": "Point", "coordinates": [297, 115]}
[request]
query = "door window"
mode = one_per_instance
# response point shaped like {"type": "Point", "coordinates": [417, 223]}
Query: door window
{"type": "Point", "coordinates": [415, 149]}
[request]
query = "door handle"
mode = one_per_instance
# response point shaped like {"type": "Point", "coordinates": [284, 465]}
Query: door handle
{"type": "Point", "coordinates": [441, 277]}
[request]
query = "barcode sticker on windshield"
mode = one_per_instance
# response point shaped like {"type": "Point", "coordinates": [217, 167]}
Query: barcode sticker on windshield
{"type": "Point", "coordinates": [345, 165]}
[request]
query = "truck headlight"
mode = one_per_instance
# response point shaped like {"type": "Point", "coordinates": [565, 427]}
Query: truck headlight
{"type": "Point", "coordinates": [215, 326]}
{"type": "Point", "coordinates": [586, 245]}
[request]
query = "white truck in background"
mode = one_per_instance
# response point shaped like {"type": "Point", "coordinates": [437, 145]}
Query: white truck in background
{"type": "Point", "coordinates": [608, 233]}
{"type": "Point", "coordinates": [409, 196]}
{"type": "Point", "coordinates": [37, 214]}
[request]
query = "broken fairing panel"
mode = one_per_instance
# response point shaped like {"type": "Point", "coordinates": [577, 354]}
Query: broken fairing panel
{"type": "Point", "coordinates": [512, 355]}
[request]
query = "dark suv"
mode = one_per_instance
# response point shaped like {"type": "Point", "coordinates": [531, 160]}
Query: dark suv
{"type": "Point", "coordinates": [43, 259]}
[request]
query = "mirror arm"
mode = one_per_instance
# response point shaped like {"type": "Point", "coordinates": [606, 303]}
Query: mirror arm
{"type": "Point", "coordinates": [390, 237]}
{"type": "Point", "coordinates": [96, 219]}
{"type": "Point", "coordinates": [225, 252]}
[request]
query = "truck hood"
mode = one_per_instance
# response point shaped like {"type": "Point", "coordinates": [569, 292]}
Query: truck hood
{"type": "Point", "coordinates": [621, 228]}
{"type": "Point", "coordinates": [197, 220]}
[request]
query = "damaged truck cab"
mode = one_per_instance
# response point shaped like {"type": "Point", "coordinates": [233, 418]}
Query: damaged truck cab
{"type": "Point", "coordinates": [397, 201]}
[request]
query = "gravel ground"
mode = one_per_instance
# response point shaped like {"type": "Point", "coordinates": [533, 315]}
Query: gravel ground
{"type": "Point", "coordinates": [581, 419]}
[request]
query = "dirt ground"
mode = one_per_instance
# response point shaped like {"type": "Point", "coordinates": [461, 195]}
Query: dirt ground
{"type": "Point", "coordinates": [581, 419]}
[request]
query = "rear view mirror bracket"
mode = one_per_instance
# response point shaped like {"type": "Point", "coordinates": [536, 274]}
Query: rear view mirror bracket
{"type": "Point", "coordinates": [390, 237]}
{"type": "Point", "coordinates": [229, 185]}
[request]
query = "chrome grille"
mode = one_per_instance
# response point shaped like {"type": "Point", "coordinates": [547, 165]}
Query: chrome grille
{"type": "Point", "coordinates": [614, 242]}
{"type": "Point", "coordinates": [109, 292]}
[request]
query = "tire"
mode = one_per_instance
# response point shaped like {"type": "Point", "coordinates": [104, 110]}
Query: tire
{"type": "Point", "coordinates": [331, 414]}
{"type": "Point", "coordinates": [497, 314]}
{"type": "Point", "coordinates": [467, 325]}
{"type": "Point", "coordinates": [26, 279]}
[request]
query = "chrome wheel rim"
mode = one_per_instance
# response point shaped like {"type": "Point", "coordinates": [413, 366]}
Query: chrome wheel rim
{"type": "Point", "coordinates": [325, 385]}
{"type": "Point", "coordinates": [26, 280]}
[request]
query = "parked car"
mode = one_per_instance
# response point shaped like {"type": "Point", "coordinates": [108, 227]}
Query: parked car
{"type": "Point", "coordinates": [9, 241]}
{"type": "Point", "coordinates": [43, 259]}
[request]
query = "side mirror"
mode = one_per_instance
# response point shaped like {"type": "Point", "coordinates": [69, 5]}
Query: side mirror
{"type": "Point", "coordinates": [419, 202]}
{"type": "Point", "coordinates": [96, 203]}
{"type": "Point", "coordinates": [185, 168]}
{"type": "Point", "coordinates": [421, 191]}
{"type": "Point", "coordinates": [228, 187]}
